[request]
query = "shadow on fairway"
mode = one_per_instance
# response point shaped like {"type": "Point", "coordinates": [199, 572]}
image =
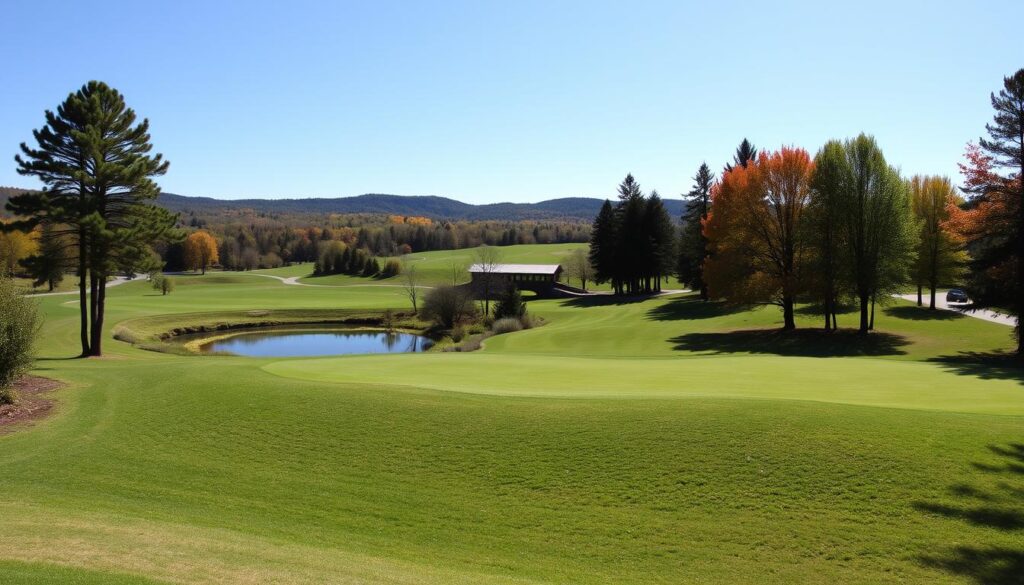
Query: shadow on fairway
{"type": "Point", "coordinates": [606, 300]}
{"type": "Point", "coordinates": [802, 342]}
{"type": "Point", "coordinates": [984, 365]}
{"type": "Point", "coordinates": [998, 508]}
{"type": "Point", "coordinates": [692, 308]}
{"type": "Point", "coordinates": [915, 313]}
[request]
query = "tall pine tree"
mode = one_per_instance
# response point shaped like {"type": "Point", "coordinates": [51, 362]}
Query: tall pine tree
{"type": "Point", "coordinates": [95, 164]}
{"type": "Point", "coordinates": [1005, 144]}
{"type": "Point", "coordinates": [693, 246]}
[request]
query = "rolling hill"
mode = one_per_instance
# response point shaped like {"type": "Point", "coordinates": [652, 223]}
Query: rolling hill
{"type": "Point", "coordinates": [434, 207]}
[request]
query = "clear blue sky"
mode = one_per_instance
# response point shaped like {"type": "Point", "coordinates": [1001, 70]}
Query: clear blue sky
{"type": "Point", "coordinates": [510, 101]}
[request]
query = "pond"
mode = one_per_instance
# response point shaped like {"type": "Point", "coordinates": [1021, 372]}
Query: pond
{"type": "Point", "coordinates": [305, 343]}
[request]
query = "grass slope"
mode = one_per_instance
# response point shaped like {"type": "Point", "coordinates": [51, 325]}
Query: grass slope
{"type": "Point", "coordinates": [641, 442]}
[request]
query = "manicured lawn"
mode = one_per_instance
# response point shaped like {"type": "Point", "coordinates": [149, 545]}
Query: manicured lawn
{"type": "Point", "coordinates": [639, 442]}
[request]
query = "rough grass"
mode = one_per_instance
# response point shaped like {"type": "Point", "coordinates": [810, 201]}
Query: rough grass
{"type": "Point", "coordinates": [607, 446]}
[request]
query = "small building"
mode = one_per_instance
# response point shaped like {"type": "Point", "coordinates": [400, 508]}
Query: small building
{"type": "Point", "coordinates": [539, 278]}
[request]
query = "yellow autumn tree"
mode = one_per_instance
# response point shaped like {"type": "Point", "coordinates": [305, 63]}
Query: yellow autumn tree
{"type": "Point", "coordinates": [15, 246]}
{"type": "Point", "coordinates": [940, 256]}
{"type": "Point", "coordinates": [200, 251]}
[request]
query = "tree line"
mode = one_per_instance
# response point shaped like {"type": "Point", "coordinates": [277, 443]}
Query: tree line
{"type": "Point", "coordinates": [840, 227]}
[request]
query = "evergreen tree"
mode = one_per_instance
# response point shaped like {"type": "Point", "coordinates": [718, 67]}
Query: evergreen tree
{"type": "Point", "coordinates": [602, 246]}
{"type": "Point", "coordinates": [745, 153]}
{"type": "Point", "coordinates": [661, 251]}
{"type": "Point", "coordinates": [693, 246]}
{"type": "Point", "coordinates": [1005, 144]}
{"type": "Point", "coordinates": [510, 304]}
{"type": "Point", "coordinates": [93, 160]}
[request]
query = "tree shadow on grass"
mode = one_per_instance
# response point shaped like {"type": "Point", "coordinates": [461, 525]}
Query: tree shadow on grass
{"type": "Point", "coordinates": [915, 313]}
{"type": "Point", "coordinates": [1000, 508]}
{"type": "Point", "coordinates": [687, 308]}
{"type": "Point", "coordinates": [600, 300]}
{"type": "Point", "coordinates": [802, 342]}
{"type": "Point", "coordinates": [985, 365]}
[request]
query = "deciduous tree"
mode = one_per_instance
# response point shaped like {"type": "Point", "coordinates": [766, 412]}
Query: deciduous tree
{"type": "Point", "coordinates": [878, 227]}
{"type": "Point", "coordinates": [824, 235]}
{"type": "Point", "coordinates": [200, 251]}
{"type": "Point", "coordinates": [939, 255]}
{"type": "Point", "coordinates": [755, 230]}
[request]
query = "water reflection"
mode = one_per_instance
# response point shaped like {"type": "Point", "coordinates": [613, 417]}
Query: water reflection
{"type": "Point", "coordinates": [319, 343]}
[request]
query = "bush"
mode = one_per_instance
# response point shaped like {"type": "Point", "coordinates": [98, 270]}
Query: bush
{"type": "Point", "coordinates": [458, 333]}
{"type": "Point", "coordinates": [391, 268]}
{"type": "Point", "coordinates": [19, 323]}
{"type": "Point", "coordinates": [271, 260]}
{"type": "Point", "coordinates": [161, 283]}
{"type": "Point", "coordinates": [448, 306]}
{"type": "Point", "coordinates": [510, 304]}
{"type": "Point", "coordinates": [506, 325]}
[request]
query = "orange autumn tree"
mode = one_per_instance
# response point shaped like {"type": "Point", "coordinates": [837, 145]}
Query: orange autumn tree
{"type": "Point", "coordinates": [987, 223]}
{"type": "Point", "coordinates": [754, 231]}
{"type": "Point", "coordinates": [200, 251]}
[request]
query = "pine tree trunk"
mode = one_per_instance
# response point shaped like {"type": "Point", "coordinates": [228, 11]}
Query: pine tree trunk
{"type": "Point", "coordinates": [97, 325]}
{"type": "Point", "coordinates": [83, 305]}
{"type": "Point", "coordinates": [931, 303]}
{"type": "Point", "coordinates": [919, 299]}
{"type": "Point", "coordinates": [93, 306]}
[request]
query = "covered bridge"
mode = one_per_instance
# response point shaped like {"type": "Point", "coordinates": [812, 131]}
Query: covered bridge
{"type": "Point", "coordinates": [539, 278]}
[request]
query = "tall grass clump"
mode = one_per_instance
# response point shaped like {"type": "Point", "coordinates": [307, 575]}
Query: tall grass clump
{"type": "Point", "coordinates": [507, 325]}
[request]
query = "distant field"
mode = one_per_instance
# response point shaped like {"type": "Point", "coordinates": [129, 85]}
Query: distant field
{"type": "Point", "coordinates": [445, 266]}
{"type": "Point", "coordinates": [656, 441]}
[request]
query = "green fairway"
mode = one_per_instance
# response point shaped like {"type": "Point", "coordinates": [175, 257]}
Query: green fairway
{"type": "Point", "coordinates": [656, 441]}
{"type": "Point", "coordinates": [445, 266]}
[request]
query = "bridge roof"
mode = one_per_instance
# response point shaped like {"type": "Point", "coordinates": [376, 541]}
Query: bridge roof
{"type": "Point", "coordinates": [517, 268]}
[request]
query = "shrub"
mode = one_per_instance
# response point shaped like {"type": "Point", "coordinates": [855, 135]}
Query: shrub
{"type": "Point", "coordinates": [458, 333]}
{"type": "Point", "coordinates": [506, 325]}
{"type": "Point", "coordinates": [163, 284]}
{"type": "Point", "coordinates": [271, 260]}
{"type": "Point", "coordinates": [391, 268]}
{"type": "Point", "coordinates": [448, 306]}
{"type": "Point", "coordinates": [19, 323]}
{"type": "Point", "coordinates": [510, 304]}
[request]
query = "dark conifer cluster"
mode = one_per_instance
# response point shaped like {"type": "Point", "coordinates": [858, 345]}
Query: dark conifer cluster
{"type": "Point", "coordinates": [632, 244]}
{"type": "Point", "coordinates": [337, 258]}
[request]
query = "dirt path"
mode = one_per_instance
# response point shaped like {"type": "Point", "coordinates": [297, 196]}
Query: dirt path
{"type": "Point", "coordinates": [112, 282]}
{"type": "Point", "coordinates": [965, 309]}
{"type": "Point", "coordinates": [294, 280]}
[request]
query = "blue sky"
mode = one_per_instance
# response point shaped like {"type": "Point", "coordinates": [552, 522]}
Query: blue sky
{"type": "Point", "coordinates": [512, 101]}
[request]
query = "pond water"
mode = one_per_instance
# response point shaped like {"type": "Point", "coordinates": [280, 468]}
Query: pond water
{"type": "Point", "coordinates": [284, 343]}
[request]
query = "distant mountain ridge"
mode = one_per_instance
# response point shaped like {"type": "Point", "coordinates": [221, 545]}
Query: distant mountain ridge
{"type": "Point", "coordinates": [432, 206]}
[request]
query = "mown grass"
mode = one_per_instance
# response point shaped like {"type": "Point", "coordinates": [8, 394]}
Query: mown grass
{"type": "Point", "coordinates": [443, 267]}
{"type": "Point", "coordinates": [627, 442]}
